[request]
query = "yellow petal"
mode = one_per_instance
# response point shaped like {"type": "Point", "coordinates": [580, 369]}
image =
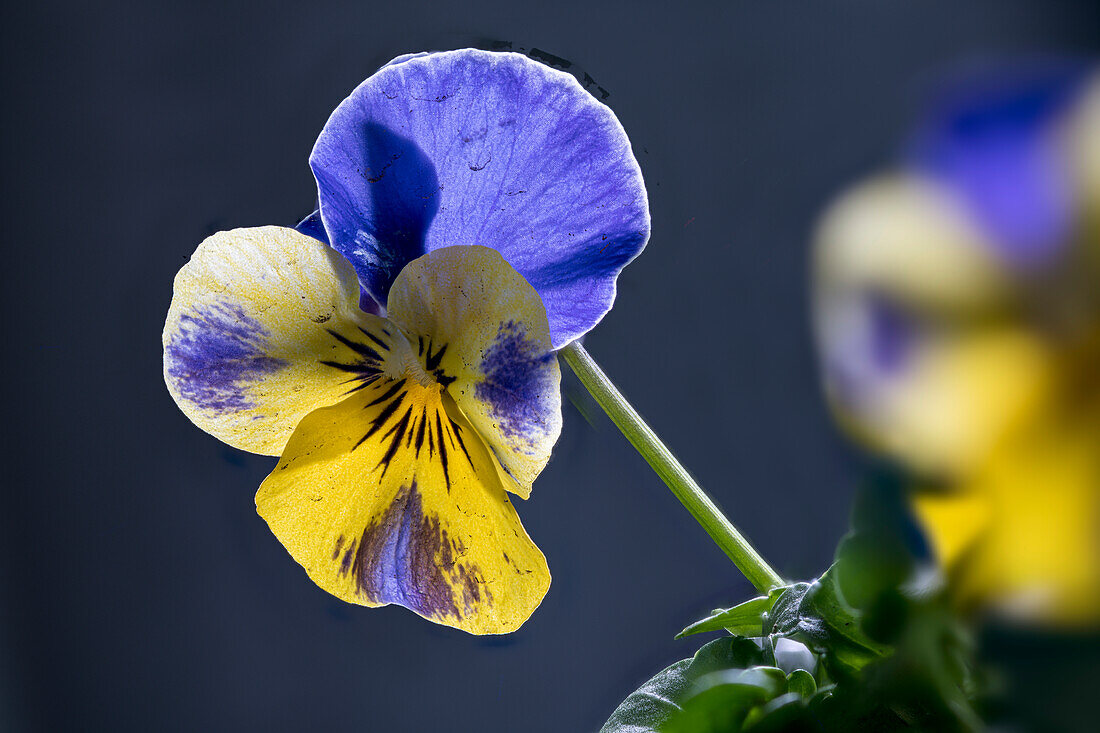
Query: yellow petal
{"type": "Point", "coordinates": [957, 397]}
{"type": "Point", "coordinates": [483, 328]}
{"type": "Point", "coordinates": [1023, 533]}
{"type": "Point", "coordinates": [392, 497]}
{"type": "Point", "coordinates": [264, 327]}
{"type": "Point", "coordinates": [906, 237]}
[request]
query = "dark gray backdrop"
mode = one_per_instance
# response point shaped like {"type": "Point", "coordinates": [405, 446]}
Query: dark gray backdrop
{"type": "Point", "coordinates": [139, 588]}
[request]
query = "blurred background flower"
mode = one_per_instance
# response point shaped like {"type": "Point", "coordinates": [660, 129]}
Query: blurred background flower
{"type": "Point", "coordinates": [957, 310]}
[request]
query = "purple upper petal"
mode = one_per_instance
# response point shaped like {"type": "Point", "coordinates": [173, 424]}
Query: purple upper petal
{"type": "Point", "coordinates": [992, 140]}
{"type": "Point", "coordinates": [475, 147]}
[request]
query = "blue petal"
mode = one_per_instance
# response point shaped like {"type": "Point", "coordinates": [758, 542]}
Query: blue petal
{"type": "Point", "coordinates": [475, 147]}
{"type": "Point", "coordinates": [311, 226]}
{"type": "Point", "coordinates": [992, 140]}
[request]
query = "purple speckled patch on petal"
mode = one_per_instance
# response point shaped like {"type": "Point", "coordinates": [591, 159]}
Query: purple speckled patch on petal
{"type": "Point", "coordinates": [405, 557]}
{"type": "Point", "coordinates": [216, 353]}
{"type": "Point", "coordinates": [515, 382]}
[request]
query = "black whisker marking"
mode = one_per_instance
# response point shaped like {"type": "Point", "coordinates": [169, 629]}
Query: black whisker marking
{"type": "Point", "coordinates": [355, 346]}
{"type": "Point", "coordinates": [381, 419]}
{"type": "Point", "coordinates": [420, 432]}
{"type": "Point", "coordinates": [382, 344]}
{"type": "Point", "coordinates": [443, 452]}
{"type": "Point", "coordinates": [388, 393]}
{"type": "Point", "coordinates": [432, 362]}
{"type": "Point", "coordinates": [431, 443]}
{"type": "Point", "coordinates": [398, 432]}
{"type": "Point", "coordinates": [461, 443]}
{"type": "Point", "coordinates": [356, 368]}
{"type": "Point", "coordinates": [367, 381]}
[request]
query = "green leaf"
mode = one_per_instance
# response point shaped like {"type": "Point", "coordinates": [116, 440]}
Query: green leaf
{"type": "Point", "coordinates": [649, 707]}
{"type": "Point", "coordinates": [769, 680]}
{"type": "Point", "coordinates": [791, 618]}
{"type": "Point", "coordinates": [885, 543]}
{"type": "Point", "coordinates": [744, 619]}
{"type": "Point", "coordinates": [801, 682]}
{"type": "Point", "coordinates": [826, 601]}
{"type": "Point", "coordinates": [817, 615]}
{"type": "Point", "coordinates": [869, 564]}
{"type": "Point", "coordinates": [780, 714]}
{"type": "Point", "coordinates": [723, 699]}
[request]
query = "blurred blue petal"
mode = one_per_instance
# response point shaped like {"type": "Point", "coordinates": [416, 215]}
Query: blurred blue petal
{"type": "Point", "coordinates": [473, 147]}
{"type": "Point", "coordinates": [991, 138]}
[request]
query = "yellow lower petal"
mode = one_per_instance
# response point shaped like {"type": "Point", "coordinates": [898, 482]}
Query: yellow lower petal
{"type": "Point", "coordinates": [392, 497]}
{"type": "Point", "coordinates": [1022, 533]}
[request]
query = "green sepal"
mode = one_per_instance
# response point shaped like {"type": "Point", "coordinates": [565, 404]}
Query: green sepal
{"type": "Point", "coordinates": [745, 619]}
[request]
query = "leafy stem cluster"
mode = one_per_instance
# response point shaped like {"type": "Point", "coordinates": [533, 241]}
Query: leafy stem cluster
{"type": "Point", "coordinates": [876, 649]}
{"type": "Point", "coordinates": [879, 650]}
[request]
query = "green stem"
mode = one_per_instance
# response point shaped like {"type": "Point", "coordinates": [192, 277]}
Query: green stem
{"type": "Point", "coordinates": [675, 476]}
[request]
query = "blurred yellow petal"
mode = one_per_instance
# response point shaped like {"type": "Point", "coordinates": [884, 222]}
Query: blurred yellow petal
{"type": "Point", "coordinates": [958, 395]}
{"type": "Point", "coordinates": [1023, 533]}
{"type": "Point", "coordinates": [263, 329]}
{"type": "Point", "coordinates": [392, 497]}
{"type": "Point", "coordinates": [904, 236]}
{"type": "Point", "coordinates": [484, 329]}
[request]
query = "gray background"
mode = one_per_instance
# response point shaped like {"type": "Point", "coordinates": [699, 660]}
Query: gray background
{"type": "Point", "coordinates": [139, 588]}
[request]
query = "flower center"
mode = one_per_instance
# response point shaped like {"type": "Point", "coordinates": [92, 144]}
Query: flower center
{"type": "Point", "coordinates": [396, 357]}
{"type": "Point", "coordinates": [420, 362]}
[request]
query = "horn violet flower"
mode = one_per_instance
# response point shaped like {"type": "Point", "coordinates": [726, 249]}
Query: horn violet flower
{"type": "Point", "coordinates": [412, 386]}
{"type": "Point", "coordinates": [958, 317]}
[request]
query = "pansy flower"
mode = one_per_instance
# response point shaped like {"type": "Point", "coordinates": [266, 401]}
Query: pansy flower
{"type": "Point", "coordinates": [479, 208]}
{"type": "Point", "coordinates": [958, 315]}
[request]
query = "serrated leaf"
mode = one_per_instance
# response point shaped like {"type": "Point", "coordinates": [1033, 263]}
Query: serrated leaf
{"type": "Point", "coordinates": [649, 707]}
{"type": "Point", "coordinates": [744, 619]}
